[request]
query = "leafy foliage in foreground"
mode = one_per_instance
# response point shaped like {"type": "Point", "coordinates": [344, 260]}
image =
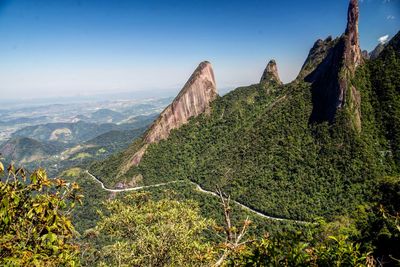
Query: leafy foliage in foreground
{"type": "Point", "coordinates": [35, 226]}
{"type": "Point", "coordinates": [379, 222]}
{"type": "Point", "coordinates": [320, 244]}
{"type": "Point", "coordinates": [139, 231]}
{"type": "Point", "coordinates": [292, 251]}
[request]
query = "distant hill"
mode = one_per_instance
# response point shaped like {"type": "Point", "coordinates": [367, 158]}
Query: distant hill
{"type": "Point", "coordinates": [58, 146]}
{"type": "Point", "coordinates": [115, 140]}
{"type": "Point", "coordinates": [106, 116]}
{"type": "Point", "coordinates": [26, 150]}
{"type": "Point", "coordinates": [23, 121]}
{"type": "Point", "coordinates": [56, 156]}
{"type": "Point", "coordinates": [100, 147]}
{"type": "Point", "coordinates": [78, 132]}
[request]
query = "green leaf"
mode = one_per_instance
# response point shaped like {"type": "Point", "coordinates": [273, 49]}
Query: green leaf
{"type": "Point", "coordinates": [34, 178]}
{"type": "Point", "coordinates": [52, 237]}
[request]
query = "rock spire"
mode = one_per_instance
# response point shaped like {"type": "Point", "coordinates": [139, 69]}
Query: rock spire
{"type": "Point", "coordinates": [330, 68]}
{"type": "Point", "coordinates": [194, 99]}
{"type": "Point", "coordinates": [270, 74]}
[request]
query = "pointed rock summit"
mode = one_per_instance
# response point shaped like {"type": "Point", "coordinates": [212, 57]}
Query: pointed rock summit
{"type": "Point", "coordinates": [193, 100]}
{"type": "Point", "coordinates": [270, 74]}
{"type": "Point", "coordinates": [377, 51]}
{"type": "Point", "coordinates": [353, 55]}
{"type": "Point", "coordinates": [330, 67]}
{"type": "Point", "coordinates": [365, 54]}
{"type": "Point", "coordinates": [317, 54]}
{"type": "Point", "coordinates": [349, 95]}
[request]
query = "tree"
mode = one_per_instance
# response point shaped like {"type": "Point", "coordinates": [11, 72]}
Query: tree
{"type": "Point", "coordinates": [379, 222]}
{"type": "Point", "coordinates": [314, 248]}
{"type": "Point", "coordinates": [233, 236]}
{"type": "Point", "coordinates": [35, 225]}
{"type": "Point", "coordinates": [324, 244]}
{"type": "Point", "coordinates": [139, 231]}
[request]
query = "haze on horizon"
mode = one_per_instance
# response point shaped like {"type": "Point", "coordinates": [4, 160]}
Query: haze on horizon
{"type": "Point", "coordinates": [83, 47]}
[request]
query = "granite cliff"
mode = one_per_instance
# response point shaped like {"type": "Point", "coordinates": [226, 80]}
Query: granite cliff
{"type": "Point", "coordinates": [377, 51]}
{"type": "Point", "coordinates": [317, 54]}
{"type": "Point", "coordinates": [194, 99]}
{"type": "Point", "coordinates": [330, 67]}
{"type": "Point", "coordinates": [271, 75]}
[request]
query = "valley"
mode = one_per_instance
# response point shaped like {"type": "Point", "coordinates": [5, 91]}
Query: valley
{"type": "Point", "coordinates": [58, 137]}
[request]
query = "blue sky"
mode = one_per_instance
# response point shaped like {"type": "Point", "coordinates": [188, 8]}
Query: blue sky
{"type": "Point", "coordinates": [53, 48]}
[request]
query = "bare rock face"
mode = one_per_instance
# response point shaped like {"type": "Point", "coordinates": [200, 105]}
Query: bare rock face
{"type": "Point", "coordinates": [365, 54]}
{"type": "Point", "coordinates": [331, 79]}
{"type": "Point", "coordinates": [352, 55]}
{"type": "Point", "coordinates": [193, 100]}
{"type": "Point", "coordinates": [377, 51]}
{"type": "Point", "coordinates": [352, 59]}
{"type": "Point", "coordinates": [270, 75]}
{"type": "Point", "coordinates": [317, 54]}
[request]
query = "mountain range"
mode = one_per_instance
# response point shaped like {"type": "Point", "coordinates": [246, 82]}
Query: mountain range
{"type": "Point", "coordinates": [313, 147]}
{"type": "Point", "coordinates": [305, 173]}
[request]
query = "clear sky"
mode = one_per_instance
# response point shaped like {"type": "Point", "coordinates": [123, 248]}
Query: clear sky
{"type": "Point", "coordinates": [54, 48]}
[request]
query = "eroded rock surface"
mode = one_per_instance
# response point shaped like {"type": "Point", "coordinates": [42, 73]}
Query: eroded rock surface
{"type": "Point", "coordinates": [331, 79]}
{"type": "Point", "coordinates": [377, 51]}
{"type": "Point", "coordinates": [271, 75]}
{"type": "Point", "coordinates": [193, 100]}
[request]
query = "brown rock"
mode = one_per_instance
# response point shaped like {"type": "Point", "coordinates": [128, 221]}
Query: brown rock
{"type": "Point", "coordinates": [193, 100]}
{"type": "Point", "coordinates": [377, 51]}
{"type": "Point", "coordinates": [270, 74]}
{"type": "Point", "coordinates": [352, 59]}
{"type": "Point", "coordinates": [331, 78]}
{"type": "Point", "coordinates": [365, 54]}
{"type": "Point", "coordinates": [317, 54]}
{"type": "Point", "coordinates": [352, 56]}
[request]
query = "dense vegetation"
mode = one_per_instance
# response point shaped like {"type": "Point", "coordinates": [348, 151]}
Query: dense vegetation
{"type": "Point", "coordinates": [166, 227]}
{"type": "Point", "coordinates": [260, 148]}
{"type": "Point", "coordinates": [35, 225]}
{"type": "Point", "coordinates": [385, 83]}
{"type": "Point", "coordinates": [141, 232]}
{"type": "Point", "coordinates": [259, 145]}
{"type": "Point", "coordinates": [86, 216]}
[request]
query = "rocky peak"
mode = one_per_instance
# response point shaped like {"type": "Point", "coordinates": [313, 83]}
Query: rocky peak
{"type": "Point", "coordinates": [270, 74]}
{"type": "Point", "coordinates": [331, 78]}
{"type": "Point", "coordinates": [352, 56]}
{"type": "Point", "coordinates": [395, 42]}
{"type": "Point", "coordinates": [365, 54]}
{"type": "Point", "coordinates": [349, 95]}
{"type": "Point", "coordinates": [377, 51]}
{"type": "Point", "coordinates": [316, 55]}
{"type": "Point", "coordinates": [194, 99]}
{"type": "Point", "coordinates": [383, 47]}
